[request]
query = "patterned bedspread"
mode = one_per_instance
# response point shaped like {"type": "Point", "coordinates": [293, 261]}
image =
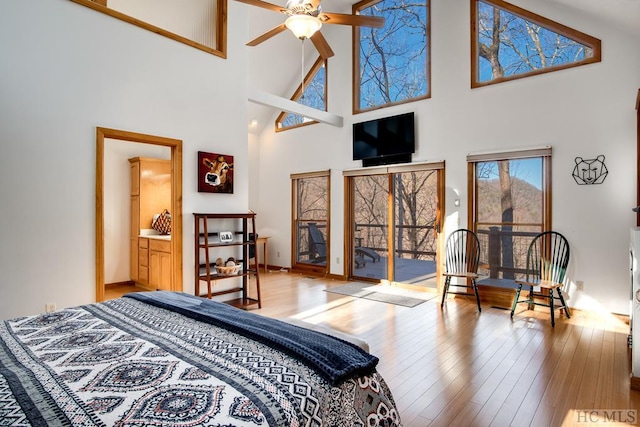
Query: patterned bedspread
{"type": "Point", "coordinates": [128, 363]}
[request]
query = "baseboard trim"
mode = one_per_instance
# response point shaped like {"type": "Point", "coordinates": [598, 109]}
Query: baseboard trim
{"type": "Point", "coordinates": [125, 283]}
{"type": "Point", "coordinates": [635, 383]}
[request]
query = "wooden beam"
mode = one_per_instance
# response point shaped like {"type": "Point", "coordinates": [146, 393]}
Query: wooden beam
{"type": "Point", "coordinates": [293, 107]}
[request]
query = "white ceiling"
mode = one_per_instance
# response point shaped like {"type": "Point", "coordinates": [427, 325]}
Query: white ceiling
{"type": "Point", "coordinates": [275, 65]}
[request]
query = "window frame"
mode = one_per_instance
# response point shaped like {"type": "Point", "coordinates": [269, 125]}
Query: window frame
{"type": "Point", "coordinates": [355, 56]}
{"type": "Point", "coordinates": [317, 269]}
{"type": "Point", "coordinates": [308, 78]}
{"type": "Point", "coordinates": [544, 153]}
{"type": "Point", "coordinates": [548, 24]}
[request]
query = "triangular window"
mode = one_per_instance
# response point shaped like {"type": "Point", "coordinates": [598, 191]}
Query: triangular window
{"type": "Point", "coordinates": [508, 42]}
{"type": "Point", "coordinates": [314, 96]}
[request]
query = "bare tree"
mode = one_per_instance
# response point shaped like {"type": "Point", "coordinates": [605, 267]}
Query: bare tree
{"type": "Point", "coordinates": [393, 59]}
{"type": "Point", "coordinates": [416, 212]}
{"type": "Point", "coordinates": [528, 46]}
{"type": "Point", "coordinates": [506, 203]}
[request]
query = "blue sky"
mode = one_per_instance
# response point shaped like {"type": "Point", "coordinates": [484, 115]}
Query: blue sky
{"type": "Point", "coordinates": [529, 170]}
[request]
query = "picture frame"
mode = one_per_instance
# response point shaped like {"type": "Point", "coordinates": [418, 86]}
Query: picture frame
{"type": "Point", "coordinates": [226, 236]}
{"type": "Point", "coordinates": [215, 173]}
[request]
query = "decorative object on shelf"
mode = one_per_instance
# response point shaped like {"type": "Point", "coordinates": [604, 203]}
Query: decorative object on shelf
{"type": "Point", "coordinates": [226, 237]}
{"type": "Point", "coordinates": [162, 222]}
{"type": "Point", "coordinates": [592, 171]}
{"type": "Point", "coordinates": [215, 173]}
{"type": "Point", "coordinates": [229, 268]}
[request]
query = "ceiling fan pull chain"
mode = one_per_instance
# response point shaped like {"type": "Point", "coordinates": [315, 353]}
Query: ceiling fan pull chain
{"type": "Point", "coordinates": [302, 70]}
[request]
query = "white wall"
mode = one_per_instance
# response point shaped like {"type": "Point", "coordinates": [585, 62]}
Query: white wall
{"type": "Point", "coordinates": [66, 69]}
{"type": "Point", "coordinates": [584, 111]}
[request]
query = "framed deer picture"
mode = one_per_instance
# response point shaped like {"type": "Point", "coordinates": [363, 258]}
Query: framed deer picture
{"type": "Point", "coordinates": [215, 173]}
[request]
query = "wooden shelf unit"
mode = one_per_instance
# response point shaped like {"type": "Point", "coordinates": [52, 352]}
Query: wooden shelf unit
{"type": "Point", "coordinates": [207, 245]}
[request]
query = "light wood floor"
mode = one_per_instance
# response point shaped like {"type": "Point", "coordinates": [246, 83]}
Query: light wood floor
{"type": "Point", "coordinates": [460, 368]}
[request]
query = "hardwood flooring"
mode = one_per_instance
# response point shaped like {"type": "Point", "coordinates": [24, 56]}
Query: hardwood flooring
{"type": "Point", "coordinates": [456, 367]}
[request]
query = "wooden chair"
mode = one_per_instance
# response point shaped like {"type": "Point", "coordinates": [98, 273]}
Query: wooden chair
{"type": "Point", "coordinates": [547, 260]}
{"type": "Point", "coordinates": [462, 256]}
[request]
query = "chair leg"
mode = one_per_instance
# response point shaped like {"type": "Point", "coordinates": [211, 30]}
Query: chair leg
{"type": "Point", "coordinates": [475, 290]}
{"type": "Point", "coordinates": [515, 300]}
{"type": "Point", "coordinates": [564, 304]}
{"type": "Point", "coordinates": [553, 320]}
{"type": "Point", "coordinates": [445, 290]}
{"type": "Point", "coordinates": [530, 306]}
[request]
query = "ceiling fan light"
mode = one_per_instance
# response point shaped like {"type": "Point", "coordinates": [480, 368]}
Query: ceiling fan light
{"type": "Point", "coordinates": [303, 26]}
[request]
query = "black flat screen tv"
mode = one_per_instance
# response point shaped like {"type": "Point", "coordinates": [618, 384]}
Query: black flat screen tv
{"type": "Point", "coordinates": [384, 141]}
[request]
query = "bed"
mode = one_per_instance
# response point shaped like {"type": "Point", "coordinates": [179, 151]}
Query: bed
{"type": "Point", "coordinates": [172, 359]}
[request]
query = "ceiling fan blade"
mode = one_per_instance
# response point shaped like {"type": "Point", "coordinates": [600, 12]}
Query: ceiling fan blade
{"type": "Point", "coordinates": [265, 5]}
{"type": "Point", "coordinates": [321, 44]}
{"type": "Point", "coordinates": [266, 36]}
{"type": "Point", "coordinates": [356, 20]}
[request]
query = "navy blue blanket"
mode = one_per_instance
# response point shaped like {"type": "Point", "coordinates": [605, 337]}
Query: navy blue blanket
{"type": "Point", "coordinates": [332, 358]}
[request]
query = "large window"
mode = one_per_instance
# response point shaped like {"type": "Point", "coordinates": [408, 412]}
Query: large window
{"type": "Point", "coordinates": [508, 42]}
{"type": "Point", "coordinates": [391, 64]}
{"type": "Point", "coordinates": [313, 94]}
{"type": "Point", "coordinates": [510, 204]}
{"type": "Point", "coordinates": [310, 225]}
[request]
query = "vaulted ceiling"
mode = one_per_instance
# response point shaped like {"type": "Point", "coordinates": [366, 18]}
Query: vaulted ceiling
{"type": "Point", "coordinates": [275, 65]}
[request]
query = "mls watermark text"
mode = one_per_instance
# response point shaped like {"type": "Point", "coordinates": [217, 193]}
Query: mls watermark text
{"type": "Point", "coordinates": [603, 416]}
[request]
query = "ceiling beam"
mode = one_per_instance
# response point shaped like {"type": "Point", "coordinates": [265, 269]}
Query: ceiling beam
{"type": "Point", "coordinates": [263, 98]}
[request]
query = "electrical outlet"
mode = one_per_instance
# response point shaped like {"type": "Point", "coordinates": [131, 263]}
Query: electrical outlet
{"type": "Point", "coordinates": [580, 285]}
{"type": "Point", "coordinates": [278, 253]}
{"type": "Point", "coordinates": [338, 260]}
{"type": "Point", "coordinates": [50, 307]}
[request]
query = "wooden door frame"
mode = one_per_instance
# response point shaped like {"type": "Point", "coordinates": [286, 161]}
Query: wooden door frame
{"type": "Point", "coordinates": [176, 200]}
{"type": "Point", "coordinates": [297, 266]}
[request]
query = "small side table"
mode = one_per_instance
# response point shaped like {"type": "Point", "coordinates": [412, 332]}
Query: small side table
{"type": "Point", "coordinates": [264, 241]}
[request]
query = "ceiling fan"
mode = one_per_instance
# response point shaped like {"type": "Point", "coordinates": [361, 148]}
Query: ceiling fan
{"type": "Point", "coordinates": [305, 18]}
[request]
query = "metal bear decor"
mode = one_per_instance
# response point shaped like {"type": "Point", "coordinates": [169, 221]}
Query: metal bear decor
{"type": "Point", "coordinates": [592, 171]}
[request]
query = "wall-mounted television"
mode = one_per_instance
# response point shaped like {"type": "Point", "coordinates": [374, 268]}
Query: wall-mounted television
{"type": "Point", "coordinates": [384, 141]}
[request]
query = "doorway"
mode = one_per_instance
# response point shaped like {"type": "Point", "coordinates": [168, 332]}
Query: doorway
{"type": "Point", "coordinates": [176, 201]}
{"type": "Point", "coordinates": [395, 216]}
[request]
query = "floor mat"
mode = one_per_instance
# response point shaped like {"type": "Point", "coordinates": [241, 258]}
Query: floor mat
{"type": "Point", "coordinates": [383, 293]}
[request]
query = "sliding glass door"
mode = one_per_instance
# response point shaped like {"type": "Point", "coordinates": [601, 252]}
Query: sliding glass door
{"type": "Point", "coordinates": [395, 215]}
{"type": "Point", "coordinates": [370, 253]}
